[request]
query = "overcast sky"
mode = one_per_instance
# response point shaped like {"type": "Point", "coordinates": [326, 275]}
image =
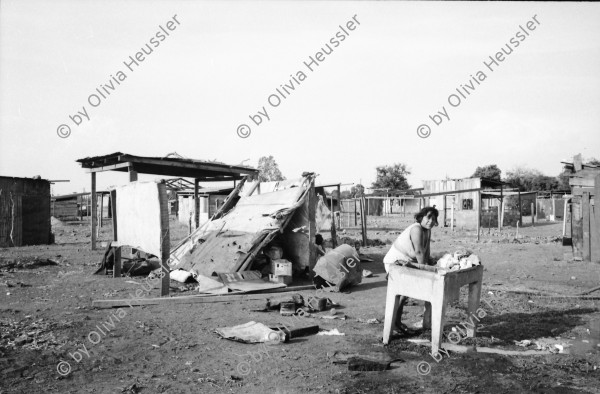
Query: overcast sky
{"type": "Point", "coordinates": [358, 108]}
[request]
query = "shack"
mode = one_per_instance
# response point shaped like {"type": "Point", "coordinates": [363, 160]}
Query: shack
{"type": "Point", "coordinates": [24, 211]}
{"type": "Point", "coordinates": [584, 180]}
{"type": "Point", "coordinates": [462, 201]}
{"type": "Point", "coordinates": [198, 170]}
{"type": "Point", "coordinates": [76, 206]}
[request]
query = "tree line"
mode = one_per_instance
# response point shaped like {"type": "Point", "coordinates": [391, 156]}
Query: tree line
{"type": "Point", "coordinates": [394, 177]}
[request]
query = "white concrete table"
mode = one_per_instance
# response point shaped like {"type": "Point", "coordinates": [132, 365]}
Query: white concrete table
{"type": "Point", "coordinates": [435, 286]}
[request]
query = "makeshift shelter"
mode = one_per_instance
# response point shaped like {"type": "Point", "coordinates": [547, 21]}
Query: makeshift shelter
{"type": "Point", "coordinates": [460, 200]}
{"type": "Point", "coordinates": [24, 211]}
{"type": "Point", "coordinates": [75, 206]}
{"type": "Point", "coordinates": [249, 220]}
{"type": "Point", "coordinates": [585, 216]}
{"type": "Point", "coordinates": [200, 171]}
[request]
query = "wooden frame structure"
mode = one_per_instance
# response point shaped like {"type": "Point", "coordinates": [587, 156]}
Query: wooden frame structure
{"type": "Point", "coordinates": [585, 215]}
{"type": "Point", "coordinates": [165, 238]}
{"type": "Point", "coordinates": [201, 171]}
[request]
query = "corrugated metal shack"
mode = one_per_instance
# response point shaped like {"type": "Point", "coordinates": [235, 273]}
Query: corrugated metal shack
{"type": "Point", "coordinates": [585, 217]}
{"type": "Point", "coordinates": [24, 211]}
{"type": "Point", "coordinates": [462, 200]}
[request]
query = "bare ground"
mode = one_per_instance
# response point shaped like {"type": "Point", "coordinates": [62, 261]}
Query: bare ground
{"type": "Point", "coordinates": [46, 317]}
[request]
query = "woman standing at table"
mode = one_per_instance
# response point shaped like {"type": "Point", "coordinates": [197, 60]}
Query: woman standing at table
{"type": "Point", "coordinates": [412, 246]}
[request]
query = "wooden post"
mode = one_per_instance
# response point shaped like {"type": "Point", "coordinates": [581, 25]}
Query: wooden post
{"type": "Point", "coordinates": [520, 210]}
{"type": "Point", "coordinates": [94, 207]}
{"type": "Point", "coordinates": [502, 214]}
{"type": "Point", "coordinates": [312, 227]}
{"type": "Point", "coordinates": [355, 214]}
{"type": "Point", "coordinates": [165, 246]}
{"type": "Point", "coordinates": [532, 215]}
{"type": "Point", "coordinates": [101, 211]}
{"type": "Point", "coordinates": [333, 232]}
{"type": "Point", "coordinates": [553, 208]}
{"type": "Point", "coordinates": [478, 213]}
{"type": "Point", "coordinates": [566, 203]}
{"type": "Point", "coordinates": [117, 249]}
{"type": "Point", "coordinates": [585, 213]}
{"type": "Point", "coordinates": [452, 215]}
{"type": "Point", "coordinates": [444, 211]}
{"type": "Point", "coordinates": [133, 175]}
{"type": "Point", "coordinates": [577, 227]}
{"type": "Point", "coordinates": [340, 206]}
{"type": "Point", "coordinates": [196, 204]}
{"type": "Point", "coordinates": [363, 221]}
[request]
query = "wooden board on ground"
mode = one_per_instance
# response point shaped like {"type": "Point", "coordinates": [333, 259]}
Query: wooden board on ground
{"type": "Point", "coordinates": [192, 299]}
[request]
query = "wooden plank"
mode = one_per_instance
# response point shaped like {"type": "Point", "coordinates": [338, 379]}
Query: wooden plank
{"type": "Point", "coordinates": [211, 168]}
{"type": "Point", "coordinates": [112, 167]}
{"type": "Point", "coordinates": [585, 216]}
{"type": "Point", "coordinates": [197, 203]}
{"type": "Point", "coordinates": [578, 191]}
{"type": "Point", "coordinates": [584, 182]}
{"type": "Point", "coordinates": [449, 192]}
{"type": "Point", "coordinates": [94, 208]}
{"type": "Point", "coordinates": [165, 246]}
{"type": "Point", "coordinates": [193, 299]}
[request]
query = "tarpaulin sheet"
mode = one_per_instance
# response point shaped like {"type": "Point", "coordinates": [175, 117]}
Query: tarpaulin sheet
{"type": "Point", "coordinates": [222, 243]}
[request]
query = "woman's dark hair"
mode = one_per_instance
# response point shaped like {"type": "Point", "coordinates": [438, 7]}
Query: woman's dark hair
{"type": "Point", "coordinates": [319, 239]}
{"type": "Point", "coordinates": [424, 212]}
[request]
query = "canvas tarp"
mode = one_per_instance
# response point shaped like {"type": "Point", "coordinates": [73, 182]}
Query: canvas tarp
{"type": "Point", "coordinates": [230, 243]}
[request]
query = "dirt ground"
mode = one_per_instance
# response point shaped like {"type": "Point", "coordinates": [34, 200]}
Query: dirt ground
{"type": "Point", "coordinates": [52, 340]}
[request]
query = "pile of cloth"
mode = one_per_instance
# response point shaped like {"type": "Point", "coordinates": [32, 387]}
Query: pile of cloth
{"type": "Point", "coordinates": [458, 260]}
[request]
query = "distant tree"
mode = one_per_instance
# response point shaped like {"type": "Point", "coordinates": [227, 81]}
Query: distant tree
{"type": "Point", "coordinates": [544, 182]}
{"type": "Point", "coordinates": [392, 177]}
{"type": "Point", "coordinates": [490, 171]}
{"type": "Point", "coordinates": [268, 170]}
{"type": "Point", "coordinates": [522, 177]}
{"type": "Point", "coordinates": [357, 191]}
{"type": "Point", "coordinates": [563, 180]}
{"type": "Point", "coordinates": [527, 179]}
{"type": "Point", "coordinates": [593, 161]}
{"type": "Point", "coordinates": [346, 194]}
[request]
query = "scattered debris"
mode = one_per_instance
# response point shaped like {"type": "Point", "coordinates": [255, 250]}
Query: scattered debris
{"type": "Point", "coordinates": [251, 332]}
{"type": "Point", "coordinates": [331, 332]}
{"type": "Point", "coordinates": [369, 321]}
{"type": "Point", "coordinates": [26, 263]}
